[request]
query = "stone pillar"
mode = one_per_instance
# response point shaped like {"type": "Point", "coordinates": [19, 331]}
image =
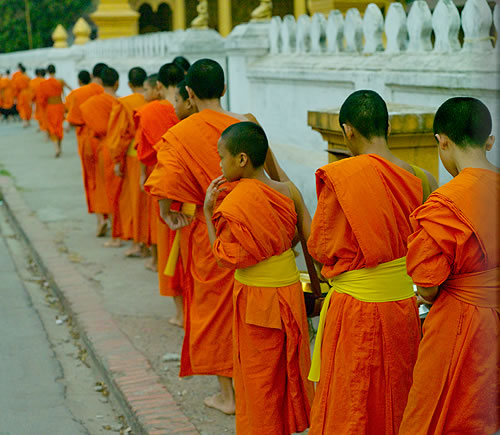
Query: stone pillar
{"type": "Point", "coordinates": [411, 137]}
{"type": "Point", "coordinates": [81, 31]}
{"type": "Point", "coordinates": [179, 15]}
{"type": "Point", "coordinates": [225, 17]}
{"type": "Point", "coordinates": [115, 18]}
{"type": "Point", "coordinates": [60, 37]}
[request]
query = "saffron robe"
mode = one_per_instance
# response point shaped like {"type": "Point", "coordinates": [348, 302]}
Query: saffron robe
{"type": "Point", "coordinates": [186, 165]}
{"type": "Point", "coordinates": [87, 155]}
{"type": "Point", "coordinates": [457, 375]}
{"type": "Point", "coordinates": [7, 93]}
{"type": "Point", "coordinates": [368, 348]}
{"type": "Point", "coordinates": [24, 96]}
{"type": "Point", "coordinates": [34, 85]}
{"type": "Point", "coordinates": [155, 119]}
{"type": "Point", "coordinates": [120, 138]}
{"type": "Point", "coordinates": [95, 112]}
{"type": "Point", "coordinates": [54, 113]}
{"type": "Point", "coordinates": [271, 354]}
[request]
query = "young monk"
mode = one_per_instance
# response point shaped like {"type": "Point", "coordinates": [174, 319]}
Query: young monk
{"type": "Point", "coordinates": [156, 118]}
{"type": "Point", "coordinates": [21, 84]}
{"type": "Point", "coordinates": [95, 113]}
{"type": "Point", "coordinates": [34, 85]}
{"type": "Point", "coordinates": [83, 79]}
{"type": "Point", "coordinates": [182, 62]}
{"type": "Point", "coordinates": [7, 94]}
{"type": "Point", "coordinates": [85, 150]}
{"type": "Point", "coordinates": [369, 330]}
{"type": "Point", "coordinates": [252, 232]}
{"type": "Point", "coordinates": [183, 105]}
{"type": "Point", "coordinates": [453, 258]}
{"type": "Point", "coordinates": [186, 165]}
{"type": "Point", "coordinates": [51, 91]}
{"type": "Point", "coordinates": [120, 142]}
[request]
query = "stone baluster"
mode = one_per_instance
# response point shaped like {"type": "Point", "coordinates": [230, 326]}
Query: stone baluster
{"type": "Point", "coordinates": [318, 33]}
{"type": "Point", "coordinates": [81, 31]}
{"type": "Point", "coordinates": [60, 37]}
{"type": "Point", "coordinates": [420, 27]}
{"type": "Point", "coordinates": [446, 24]}
{"type": "Point", "coordinates": [476, 22]}
{"type": "Point", "coordinates": [396, 29]}
{"type": "Point", "coordinates": [373, 26]}
{"type": "Point", "coordinates": [275, 35]}
{"type": "Point", "coordinates": [496, 20]}
{"type": "Point", "coordinates": [335, 32]}
{"type": "Point", "coordinates": [288, 30]}
{"type": "Point", "coordinates": [353, 30]}
{"type": "Point", "coordinates": [303, 42]}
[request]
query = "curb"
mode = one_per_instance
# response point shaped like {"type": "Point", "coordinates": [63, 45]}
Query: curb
{"type": "Point", "coordinates": [149, 407]}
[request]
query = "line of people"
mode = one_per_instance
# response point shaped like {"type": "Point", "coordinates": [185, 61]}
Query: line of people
{"type": "Point", "coordinates": [167, 166]}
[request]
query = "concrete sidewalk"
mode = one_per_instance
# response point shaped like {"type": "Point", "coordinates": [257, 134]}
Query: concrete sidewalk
{"type": "Point", "coordinates": [115, 300]}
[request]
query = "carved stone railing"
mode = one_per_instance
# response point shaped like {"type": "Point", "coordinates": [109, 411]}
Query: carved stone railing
{"type": "Point", "coordinates": [358, 33]}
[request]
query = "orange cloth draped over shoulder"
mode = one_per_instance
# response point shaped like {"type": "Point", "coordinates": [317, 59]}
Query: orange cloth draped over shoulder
{"type": "Point", "coordinates": [368, 348]}
{"type": "Point", "coordinates": [24, 96]}
{"type": "Point", "coordinates": [87, 155]}
{"type": "Point", "coordinates": [34, 85]}
{"type": "Point", "coordinates": [95, 112]}
{"type": "Point", "coordinates": [52, 88]}
{"type": "Point", "coordinates": [271, 352]}
{"type": "Point", "coordinates": [120, 141]}
{"type": "Point", "coordinates": [7, 93]}
{"type": "Point", "coordinates": [455, 246]}
{"type": "Point", "coordinates": [156, 119]}
{"type": "Point", "coordinates": [187, 163]}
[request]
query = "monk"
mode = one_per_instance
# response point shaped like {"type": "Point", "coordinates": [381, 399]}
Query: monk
{"type": "Point", "coordinates": [183, 105]}
{"type": "Point", "coordinates": [83, 79]}
{"type": "Point", "coordinates": [369, 327]}
{"type": "Point", "coordinates": [34, 86]}
{"type": "Point", "coordinates": [51, 91]}
{"type": "Point", "coordinates": [252, 231]}
{"type": "Point", "coordinates": [156, 118]}
{"type": "Point", "coordinates": [453, 258]}
{"type": "Point", "coordinates": [187, 163]}
{"type": "Point", "coordinates": [22, 90]}
{"type": "Point", "coordinates": [182, 62]}
{"type": "Point", "coordinates": [85, 150]}
{"type": "Point", "coordinates": [120, 141]}
{"type": "Point", "coordinates": [7, 95]}
{"type": "Point", "coordinates": [95, 113]}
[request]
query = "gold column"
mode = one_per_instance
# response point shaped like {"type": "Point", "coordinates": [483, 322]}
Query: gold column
{"type": "Point", "coordinates": [299, 8]}
{"type": "Point", "coordinates": [225, 17]}
{"type": "Point", "coordinates": [115, 18]}
{"type": "Point", "coordinates": [179, 12]}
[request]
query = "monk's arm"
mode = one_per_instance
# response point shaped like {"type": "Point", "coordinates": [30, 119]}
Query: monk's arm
{"type": "Point", "coordinates": [213, 192]}
{"type": "Point", "coordinates": [428, 294]}
{"type": "Point", "coordinates": [174, 219]}
{"type": "Point", "coordinates": [65, 85]}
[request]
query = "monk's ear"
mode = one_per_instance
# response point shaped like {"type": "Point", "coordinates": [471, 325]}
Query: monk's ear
{"type": "Point", "coordinates": [224, 91]}
{"type": "Point", "coordinates": [243, 160]}
{"type": "Point", "coordinates": [489, 143]}
{"type": "Point", "coordinates": [190, 93]}
{"type": "Point", "coordinates": [348, 131]}
{"type": "Point", "coordinates": [443, 141]}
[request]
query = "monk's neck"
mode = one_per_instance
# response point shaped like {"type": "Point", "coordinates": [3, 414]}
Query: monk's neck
{"type": "Point", "coordinates": [473, 158]}
{"type": "Point", "coordinates": [137, 90]}
{"type": "Point", "coordinates": [97, 81]}
{"type": "Point", "coordinates": [109, 91]}
{"type": "Point", "coordinates": [168, 94]}
{"type": "Point", "coordinates": [213, 104]}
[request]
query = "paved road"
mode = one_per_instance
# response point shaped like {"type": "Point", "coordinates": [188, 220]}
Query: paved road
{"type": "Point", "coordinates": [31, 399]}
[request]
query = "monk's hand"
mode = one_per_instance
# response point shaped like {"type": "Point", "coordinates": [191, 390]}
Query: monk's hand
{"type": "Point", "coordinates": [212, 194]}
{"type": "Point", "coordinates": [118, 170]}
{"type": "Point", "coordinates": [176, 219]}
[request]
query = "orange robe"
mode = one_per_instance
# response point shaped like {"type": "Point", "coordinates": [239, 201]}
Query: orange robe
{"type": "Point", "coordinates": [368, 348]}
{"type": "Point", "coordinates": [120, 141]}
{"type": "Point", "coordinates": [95, 112]}
{"type": "Point", "coordinates": [87, 155]}
{"type": "Point", "coordinates": [34, 85]}
{"type": "Point", "coordinates": [23, 91]}
{"type": "Point", "coordinates": [270, 329]}
{"type": "Point", "coordinates": [186, 165]}
{"type": "Point", "coordinates": [155, 120]}
{"type": "Point", "coordinates": [455, 246]}
{"type": "Point", "coordinates": [7, 93]}
{"type": "Point", "coordinates": [54, 112]}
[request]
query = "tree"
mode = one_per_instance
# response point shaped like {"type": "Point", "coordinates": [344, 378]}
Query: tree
{"type": "Point", "coordinates": [45, 16]}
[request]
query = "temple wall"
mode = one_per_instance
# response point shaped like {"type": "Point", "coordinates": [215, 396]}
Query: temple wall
{"type": "Point", "coordinates": [281, 69]}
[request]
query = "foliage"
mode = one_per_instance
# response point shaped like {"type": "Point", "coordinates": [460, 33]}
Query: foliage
{"type": "Point", "coordinates": [45, 16]}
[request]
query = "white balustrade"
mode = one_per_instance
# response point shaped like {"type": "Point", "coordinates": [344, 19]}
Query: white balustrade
{"type": "Point", "coordinates": [373, 26]}
{"type": "Point", "coordinates": [476, 22]}
{"type": "Point", "coordinates": [446, 24]}
{"type": "Point", "coordinates": [396, 30]}
{"type": "Point", "coordinates": [419, 27]}
{"type": "Point", "coordinates": [275, 35]}
{"type": "Point", "coordinates": [496, 20]}
{"type": "Point", "coordinates": [303, 42]}
{"type": "Point", "coordinates": [335, 32]}
{"type": "Point", "coordinates": [353, 30]}
{"type": "Point", "coordinates": [288, 30]}
{"type": "Point", "coordinates": [318, 33]}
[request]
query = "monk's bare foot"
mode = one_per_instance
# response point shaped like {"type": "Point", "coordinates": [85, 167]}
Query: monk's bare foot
{"type": "Point", "coordinates": [113, 243]}
{"type": "Point", "coordinates": [151, 265]}
{"type": "Point", "coordinates": [102, 229]}
{"type": "Point", "coordinates": [176, 322]}
{"type": "Point", "coordinates": [218, 403]}
{"type": "Point", "coordinates": [134, 252]}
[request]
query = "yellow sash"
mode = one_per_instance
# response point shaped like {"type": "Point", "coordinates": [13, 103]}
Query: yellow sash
{"type": "Point", "coordinates": [385, 282]}
{"type": "Point", "coordinates": [276, 271]}
{"type": "Point", "coordinates": [131, 149]}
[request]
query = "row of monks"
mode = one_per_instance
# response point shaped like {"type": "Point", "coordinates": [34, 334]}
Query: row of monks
{"type": "Point", "coordinates": [168, 166]}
